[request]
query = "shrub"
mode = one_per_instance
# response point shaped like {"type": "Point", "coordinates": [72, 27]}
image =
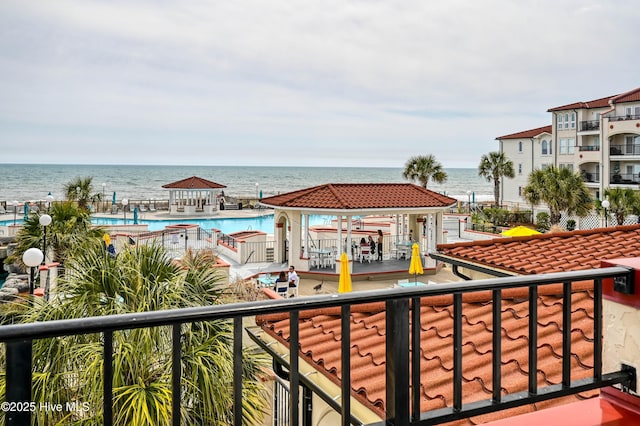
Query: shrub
{"type": "Point", "coordinates": [571, 225]}
{"type": "Point", "coordinates": [543, 221]}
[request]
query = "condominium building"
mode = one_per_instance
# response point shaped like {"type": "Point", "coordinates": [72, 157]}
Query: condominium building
{"type": "Point", "coordinates": [598, 138]}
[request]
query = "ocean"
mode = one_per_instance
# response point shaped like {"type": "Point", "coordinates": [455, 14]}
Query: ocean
{"type": "Point", "coordinates": [32, 182]}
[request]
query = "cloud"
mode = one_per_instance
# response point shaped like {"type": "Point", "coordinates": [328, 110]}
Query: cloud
{"type": "Point", "coordinates": [355, 82]}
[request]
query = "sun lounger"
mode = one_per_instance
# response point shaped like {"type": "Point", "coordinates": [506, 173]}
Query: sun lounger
{"type": "Point", "coordinates": [2, 210]}
{"type": "Point", "coordinates": [142, 208]}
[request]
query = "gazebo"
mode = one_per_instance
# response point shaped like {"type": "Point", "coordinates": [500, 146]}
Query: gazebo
{"type": "Point", "coordinates": [193, 196]}
{"type": "Point", "coordinates": [421, 210]}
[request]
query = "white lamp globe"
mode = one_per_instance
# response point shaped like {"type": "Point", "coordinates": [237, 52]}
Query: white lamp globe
{"type": "Point", "coordinates": [45, 220]}
{"type": "Point", "coordinates": [125, 202]}
{"type": "Point", "coordinates": [32, 257]}
{"type": "Point", "coordinates": [605, 204]}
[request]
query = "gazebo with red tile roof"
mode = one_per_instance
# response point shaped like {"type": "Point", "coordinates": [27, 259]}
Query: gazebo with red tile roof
{"type": "Point", "coordinates": [193, 196]}
{"type": "Point", "coordinates": [346, 200]}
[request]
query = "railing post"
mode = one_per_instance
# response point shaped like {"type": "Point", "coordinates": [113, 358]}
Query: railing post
{"type": "Point", "coordinates": [397, 362]}
{"type": "Point", "coordinates": [19, 380]}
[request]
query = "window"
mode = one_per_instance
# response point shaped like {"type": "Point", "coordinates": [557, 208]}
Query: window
{"type": "Point", "coordinates": [520, 168]}
{"type": "Point", "coordinates": [596, 142]}
{"type": "Point", "coordinates": [544, 147]}
{"type": "Point", "coordinates": [520, 146]}
{"type": "Point", "coordinates": [550, 147]}
{"type": "Point", "coordinates": [519, 191]}
{"type": "Point", "coordinates": [571, 145]}
{"type": "Point", "coordinates": [566, 166]}
{"type": "Point", "coordinates": [573, 120]}
{"type": "Point", "coordinates": [566, 120]}
{"type": "Point", "coordinates": [559, 121]}
{"type": "Point", "coordinates": [563, 146]}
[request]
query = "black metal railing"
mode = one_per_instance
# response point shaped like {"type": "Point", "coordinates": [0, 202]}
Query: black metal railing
{"type": "Point", "coordinates": [589, 148]}
{"type": "Point", "coordinates": [625, 149]}
{"type": "Point", "coordinates": [624, 117]}
{"type": "Point", "coordinates": [624, 178]}
{"type": "Point", "coordinates": [589, 125]}
{"type": "Point", "coordinates": [402, 370]}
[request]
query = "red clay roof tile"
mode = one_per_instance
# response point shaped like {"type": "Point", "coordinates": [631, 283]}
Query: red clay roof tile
{"type": "Point", "coordinates": [525, 134]}
{"type": "Point", "coordinates": [349, 196]}
{"type": "Point", "coordinates": [194, 182]}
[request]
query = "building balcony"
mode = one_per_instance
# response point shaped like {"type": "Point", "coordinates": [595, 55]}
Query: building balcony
{"type": "Point", "coordinates": [589, 148]}
{"type": "Point", "coordinates": [624, 149]}
{"type": "Point", "coordinates": [589, 125]}
{"type": "Point", "coordinates": [624, 117]}
{"type": "Point", "coordinates": [624, 179]}
{"type": "Point", "coordinates": [477, 379]}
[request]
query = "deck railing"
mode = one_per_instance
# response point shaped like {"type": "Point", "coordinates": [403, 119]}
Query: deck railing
{"type": "Point", "coordinates": [402, 371]}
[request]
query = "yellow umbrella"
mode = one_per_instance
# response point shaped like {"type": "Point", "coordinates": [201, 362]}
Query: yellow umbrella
{"type": "Point", "coordinates": [519, 231]}
{"type": "Point", "coordinates": [344, 285]}
{"type": "Point", "coordinates": [415, 267]}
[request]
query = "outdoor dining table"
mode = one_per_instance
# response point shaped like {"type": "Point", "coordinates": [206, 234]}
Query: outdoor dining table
{"type": "Point", "coordinates": [321, 254]}
{"type": "Point", "coordinates": [403, 248]}
{"type": "Point", "coordinates": [266, 281]}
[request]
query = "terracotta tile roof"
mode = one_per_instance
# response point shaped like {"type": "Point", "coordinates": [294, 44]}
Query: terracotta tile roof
{"type": "Point", "coordinates": [349, 196]}
{"type": "Point", "coordinates": [630, 96]}
{"type": "Point", "coordinates": [194, 182]}
{"type": "Point", "coordinates": [320, 334]}
{"type": "Point", "coordinates": [320, 345]}
{"type": "Point", "coordinates": [551, 252]}
{"type": "Point", "coordinates": [527, 133]}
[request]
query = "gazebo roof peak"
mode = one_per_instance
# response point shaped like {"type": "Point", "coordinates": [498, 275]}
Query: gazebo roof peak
{"type": "Point", "coordinates": [193, 182]}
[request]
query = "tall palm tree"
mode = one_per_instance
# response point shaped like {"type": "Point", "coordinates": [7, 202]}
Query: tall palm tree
{"type": "Point", "coordinates": [139, 279]}
{"type": "Point", "coordinates": [561, 190]}
{"type": "Point", "coordinates": [423, 168]}
{"type": "Point", "coordinates": [70, 227]}
{"type": "Point", "coordinates": [494, 166]}
{"type": "Point", "coordinates": [81, 190]}
{"type": "Point", "coordinates": [622, 202]}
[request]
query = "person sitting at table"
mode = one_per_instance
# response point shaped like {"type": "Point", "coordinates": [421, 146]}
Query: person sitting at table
{"type": "Point", "coordinates": [372, 244]}
{"type": "Point", "coordinates": [282, 278]}
{"type": "Point", "coordinates": [293, 277]}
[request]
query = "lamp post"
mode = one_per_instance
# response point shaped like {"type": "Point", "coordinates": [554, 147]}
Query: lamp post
{"type": "Point", "coordinates": [124, 209]}
{"type": "Point", "coordinates": [49, 199]}
{"type": "Point", "coordinates": [469, 201]}
{"type": "Point", "coordinates": [45, 220]}
{"type": "Point", "coordinates": [32, 257]}
{"type": "Point", "coordinates": [605, 205]}
{"type": "Point", "coordinates": [15, 211]}
{"type": "Point", "coordinates": [103, 205]}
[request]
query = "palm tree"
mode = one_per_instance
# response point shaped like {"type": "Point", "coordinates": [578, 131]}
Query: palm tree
{"type": "Point", "coordinates": [141, 278]}
{"type": "Point", "coordinates": [81, 191]}
{"type": "Point", "coordinates": [622, 202]}
{"type": "Point", "coordinates": [423, 168]}
{"type": "Point", "coordinates": [494, 166]}
{"type": "Point", "coordinates": [70, 227]}
{"type": "Point", "coordinates": [561, 190]}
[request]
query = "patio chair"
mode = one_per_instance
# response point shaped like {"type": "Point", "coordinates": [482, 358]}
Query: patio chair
{"type": "Point", "coordinates": [152, 208]}
{"type": "Point", "coordinates": [293, 291]}
{"type": "Point", "coordinates": [282, 288]}
{"type": "Point", "coordinates": [2, 210]}
{"type": "Point", "coordinates": [365, 253]}
{"type": "Point", "coordinates": [142, 208]}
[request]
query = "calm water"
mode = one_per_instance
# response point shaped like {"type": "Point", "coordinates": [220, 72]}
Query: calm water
{"type": "Point", "coordinates": [23, 182]}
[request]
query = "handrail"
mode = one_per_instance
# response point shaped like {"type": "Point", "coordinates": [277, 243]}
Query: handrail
{"type": "Point", "coordinates": [398, 337]}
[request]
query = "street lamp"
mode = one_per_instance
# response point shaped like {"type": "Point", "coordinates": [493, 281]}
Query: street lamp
{"type": "Point", "coordinates": [605, 205]}
{"type": "Point", "coordinates": [32, 257]}
{"type": "Point", "coordinates": [103, 206]}
{"type": "Point", "coordinates": [45, 220]}
{"type": "Point", "coordinates": [124, 209]}
{"type": "Point", "coordinates": [15, 211]}
{"type": "Point", "coordinates": [49, 199]}
{"type": "Point", "coordinates": [469, 200]}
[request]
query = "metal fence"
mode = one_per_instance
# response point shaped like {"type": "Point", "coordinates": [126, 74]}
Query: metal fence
{"type": "Point", "coordinates": [403, 377]}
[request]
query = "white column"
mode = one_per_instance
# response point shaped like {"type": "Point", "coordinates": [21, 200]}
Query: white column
{"type": "Point", "coordinates": [340, 244]}
{"type": "Point", "coordinates": [349, 254]}
{"type": "Point", "coordinates": [306, 236]}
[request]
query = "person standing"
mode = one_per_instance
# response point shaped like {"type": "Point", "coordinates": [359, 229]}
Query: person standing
{"type": "Point", "coordinates": [379, 245]}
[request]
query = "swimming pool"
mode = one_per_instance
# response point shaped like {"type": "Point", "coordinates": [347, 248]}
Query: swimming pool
{"type": "Point", "coordinates": [226, 225]}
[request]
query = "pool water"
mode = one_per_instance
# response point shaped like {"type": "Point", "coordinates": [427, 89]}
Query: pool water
{"type": "Point", "coordinates": [226, 225]}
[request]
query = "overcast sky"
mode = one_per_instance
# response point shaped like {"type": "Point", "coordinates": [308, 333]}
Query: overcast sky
{"type": "Point", "coordinates": [328, 83]}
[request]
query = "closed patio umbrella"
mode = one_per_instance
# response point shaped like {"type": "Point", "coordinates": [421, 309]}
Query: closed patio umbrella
{"type": "Point", "coordinates": [415, 267]}
{"type": "Point", "coordinates": [135, 216]}
{"type": "Point", "coordinates": [113, 199]}
{"type": "Point", "coordinates": [26, 211]}
{"type": "Point", "coordinates": [344, 285]}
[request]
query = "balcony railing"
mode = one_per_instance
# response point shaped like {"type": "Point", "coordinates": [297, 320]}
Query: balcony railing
{"type": "Point", "coordinates": [402, 373]}
{"type": "Point", "coordinates": [625, 149]}
{"type": "Point", "coordinates": [589, 125]}
{"type": "Point", "coordinates": [589, 148]}
{"type": "Point", "coordinates": [590, 177]}
{"type": "Point", "coordinates": [624, 178]}
{"type": "Point", "coordinates": [624, 117]}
